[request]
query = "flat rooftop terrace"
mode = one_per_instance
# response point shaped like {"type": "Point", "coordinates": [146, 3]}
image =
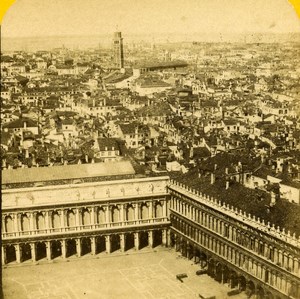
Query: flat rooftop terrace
{"type": "Point", "coordinates": [143, 274]}
{"type": "Point", "coordinates": [65, 174]}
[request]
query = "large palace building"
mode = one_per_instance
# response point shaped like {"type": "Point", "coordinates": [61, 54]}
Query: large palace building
{"type": "Point", "coordinates": [77, 209]}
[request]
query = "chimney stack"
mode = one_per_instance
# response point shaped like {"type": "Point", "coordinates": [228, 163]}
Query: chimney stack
{"type": "Point", "coordinates": [212, 178]}
{"type": "Point", "coordinates": [273, 199]}
{"type": "Point", "coordinates": [227, 184]}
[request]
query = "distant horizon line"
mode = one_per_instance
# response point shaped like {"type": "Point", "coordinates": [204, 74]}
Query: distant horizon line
{"type": "Point", "coordinates": [154, 33]}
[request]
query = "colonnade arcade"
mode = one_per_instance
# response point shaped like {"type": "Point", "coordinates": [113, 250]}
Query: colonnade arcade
{"type": "Point", "coordinates": [69, 246]}
{"type": "Point", "coordinates": [45, 221]}
{"type": "Point", "coordinates": [194, 225]}
{"type": "Point", "coordinates": [220, 270]}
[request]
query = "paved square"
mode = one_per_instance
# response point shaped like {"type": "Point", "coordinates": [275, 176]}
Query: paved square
{"type": "Point", "coordinates": [144, 274]}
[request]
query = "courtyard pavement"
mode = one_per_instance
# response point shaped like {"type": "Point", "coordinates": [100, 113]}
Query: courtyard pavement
{"type": "Point", "coordinates": [146, 274]}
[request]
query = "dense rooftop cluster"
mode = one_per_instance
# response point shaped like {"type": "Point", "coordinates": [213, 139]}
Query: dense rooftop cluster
{"type": "Point", "coordinates": [222, 118]}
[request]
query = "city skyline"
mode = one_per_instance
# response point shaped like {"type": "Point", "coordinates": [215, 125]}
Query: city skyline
{"type": "Point", "coordinates": [152, 17]}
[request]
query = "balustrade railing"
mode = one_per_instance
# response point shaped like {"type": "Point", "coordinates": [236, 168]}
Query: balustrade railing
{"type": "Point", "coordinates": [88, 227]}
{"type": "Point", "coordinates": [232, 212]}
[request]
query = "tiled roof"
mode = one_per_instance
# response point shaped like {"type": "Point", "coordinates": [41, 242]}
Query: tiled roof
{"type": "Point", "coordinates": [66, 172]}
{"type": "Point", "coordinates": [19, 123]}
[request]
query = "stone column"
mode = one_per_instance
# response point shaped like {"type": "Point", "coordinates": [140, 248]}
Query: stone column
{"type": "Point", "coordinates": [47, 224]}
{"type": "Point", "coordinates": [48, 250]}
{"type": "Point", "coordinates": [296, 266]}
{"type": "Point", "coordinates": [31, 223]}
{"type": "Point", "coordinates": [256, 245]}
{"type": "Point", "coordinates": [137, 240]}
{"type": "Point", "coordinates": [3, 225]}
{"type": "Point", "coordinates": [150, 238]}
{"type": "Point", "coordinates": [122, 213]}
{"type": "Point", "coordinates": [165, 208]}
{"type": "Point", "coordinates": [122, 242]}
{"type": "Point", "coordinates": [62, 220]}
{"type": "Point", "coordinates": [33, 251]}
{"type": "Point", "coordinates": [78, 247]}
{"type": "Point", "coordinates": [63, 248]}
{"type": "Point", "coordinates": [3, 254]}
{"type": "Point", "coordinates": [136, 211]}
{"type": "Point", "coordinates": [194, 255]}
{"type": "Point", "coordinates": [92, 211]}
{"type": "Point", "coordinates": [18, 253]}
{"type": "Point", "coordinates": [151, 209]}
{"type": "Point", "coordinates": [77, 219]}
{"type": "Point", "coordinates": [15, 221]}
{"type": "Point", "coordinates": [164, 238]}
{"type": "Point", "coordinates": [108, 244]}
{"type": "Point", "coordinates": [107, 214]}
{"type": "Point", "coordinates": [93, 245]}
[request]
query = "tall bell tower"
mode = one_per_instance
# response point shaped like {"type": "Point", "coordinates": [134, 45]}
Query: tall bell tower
{"type": "Point", "coordinates": [118, 50]}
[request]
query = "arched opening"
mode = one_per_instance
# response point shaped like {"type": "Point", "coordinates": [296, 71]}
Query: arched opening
{"type": "Point", "coordinates": [41, 251]}
{"type": "Point", "coordinates": [40, 221]}
{"type": "Point", "coordinates": [157, 238]}
{"type": "Point", "coordinates": [55, 221]}
{"type": "Point", "coordinates": [115, 243]}
{"type": "Point", "coordinates": [225, 274]}
{"type": "Point", "coordinates": [25, 252]}
{"type": "Point", "coordinates": [86, 217]}
{"type": "Point", "coordinates": [172, 239]}
{"type": "Point", "coordinates": [85, 246]}
{"type": "Point", "coordinates": [25, 223]}
{"type": "Point", "coordinates": [101, 216]}
{"type": "Point", "coordinates": [144, 211]}
{"type": "Point", "coordinates": [143, 239]}
{"type": "Point", "coordinates": [71, 222]}
{"type": "Point", "coordinates": [242, 283]}
{"type": "Point", "coordinates": [129, 213]}
{"type": "Point", "coordinates": [197, 256]}
{"type": "Point", "coordinates": [10, 254]}
{"type": "Point", "coordinates": [250, 288]}
{"type": "Point", "coordinates": [100, 244]}
{"type": "Point", "coordinates": [211, 268]}
{"type": "Point", "coordinates": [203, 260]}
{"type": "Point", "coordinates": [294, 290]}
{"type": "Point", "coordinates": [260, 293]}
{"type": "Point", "coordinates": [9, 225]}
{"type": "Point", "coordinates": [158, 210]}
{"type": "Point", "coordinates": [115, 214]}
{"type": "Point", "coordinates": [129, 241]}
{"type": "Point", "coordinates": [269, 295]}
{"type": "Point", "coordinates": [219, 272]}
{"type": "Point", "coordinates": [55, 249]}
{"type": "Point", "coordinates": [71, 247]}
{"type": "Point", "coordinates": [233, 279]}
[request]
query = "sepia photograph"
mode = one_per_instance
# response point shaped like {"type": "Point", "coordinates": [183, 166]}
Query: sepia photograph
{"type": "Point", "coordinates": [150, 149]}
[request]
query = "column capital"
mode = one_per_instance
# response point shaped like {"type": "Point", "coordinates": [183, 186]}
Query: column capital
{"type": "Point", "coordinates": [63, 241]}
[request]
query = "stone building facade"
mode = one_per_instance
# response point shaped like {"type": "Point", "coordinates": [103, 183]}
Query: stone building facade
{"type": "Point", "coordinates": [235, 248]}
{"type": "Point", "coordinates": [52, 221]}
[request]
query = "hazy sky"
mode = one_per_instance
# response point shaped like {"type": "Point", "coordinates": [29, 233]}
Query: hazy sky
{"type": "Point", "coordinates": [80, 17]}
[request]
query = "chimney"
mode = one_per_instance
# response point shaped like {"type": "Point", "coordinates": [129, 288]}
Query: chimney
{"type": "Point", "coordinates": [191, 152]}
{"type": "Point", "coordinates": [212, 178]}
{"type": "Point", "coordinates": [25, 124]}
{"type": "Point", "coordinates": [273, 199]}
{"type": "Point", "coordinates": [227, 184]}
